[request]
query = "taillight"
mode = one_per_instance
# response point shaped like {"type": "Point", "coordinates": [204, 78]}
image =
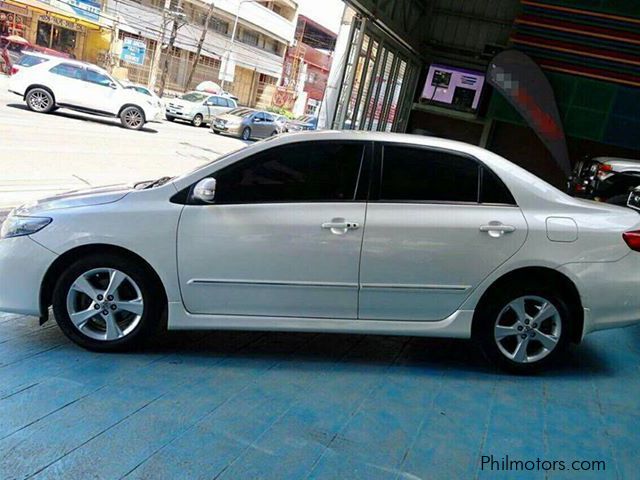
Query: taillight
{"type": "Point", "coordinates": [604, 171]}
{"type": "Point", "coordinates": [632, 239]}
{"type": "Point", "coordinates": [13, 70]}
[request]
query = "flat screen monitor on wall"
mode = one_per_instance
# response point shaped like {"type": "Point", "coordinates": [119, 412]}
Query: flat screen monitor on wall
{"type": "Point", "coordinates": [454, 87]}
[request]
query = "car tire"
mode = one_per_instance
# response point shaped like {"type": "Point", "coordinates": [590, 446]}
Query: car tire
{"type": "Point", "coordinates": [216, 132]}
{"type": "Point", "coordinates": [274, 133]}
{"type": "Point", "coordinates": [197, 121]}
{"type": "Point", "coordinates": [40, 100]}
{"type": "Point", "coordinates": [132, 118]}
{"type": "Point", "coordinates": [516, 342]}
{"type": "Point", "coordinates": [138, 309]}
{"type": "Point", "coordinates": [170, 119]}
{"type": "Point", "coordinates": [246, 134]}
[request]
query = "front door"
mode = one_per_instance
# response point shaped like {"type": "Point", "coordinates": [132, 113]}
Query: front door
{"type": "Point", "coordinates": [283, 237]}
{"type": "Point", "coordinates": [439, 224]}
{"type": "Point", "coordinates": [99, 92]}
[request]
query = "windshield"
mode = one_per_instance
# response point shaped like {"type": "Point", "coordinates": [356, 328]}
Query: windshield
{"type": "Point", "coordinates": [241, 112]}
{"type": "Point", "coordinates": [193, 97]}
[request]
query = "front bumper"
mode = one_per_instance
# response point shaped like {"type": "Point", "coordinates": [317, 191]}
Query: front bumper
{"type": "Point", "coordinates": [23, 264]}
{"type": "Point", "coordinates": [230, 129]}
{"type": "Point", "coordinates": [179, 114]}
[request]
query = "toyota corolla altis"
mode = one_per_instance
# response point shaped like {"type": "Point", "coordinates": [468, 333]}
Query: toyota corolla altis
{"type": "Point", "coordinates": [334, 232]}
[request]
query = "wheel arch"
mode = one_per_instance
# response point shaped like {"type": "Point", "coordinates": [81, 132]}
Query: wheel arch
{"type": "Point", "coordinates": [37, 85]}
{"type": "Point", "coordinates": [542, 275]}
{"type": "Point", "coordinates": [66, 259]}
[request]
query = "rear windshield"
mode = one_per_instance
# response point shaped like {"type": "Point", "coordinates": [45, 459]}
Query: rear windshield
{"type": "Point", "coordinates": [31, 60]}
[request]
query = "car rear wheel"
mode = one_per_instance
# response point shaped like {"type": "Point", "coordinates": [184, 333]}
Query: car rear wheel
{"type": "Point", "coordinates": [132, 118]}
{"type": "Point", "coordinates": [40, 100]}
{"type": "Point", "coordinates": [525, 329]}
{"type": "Point", "coordinates": [197, 120]}
{"type": "Point", "coordinates": [246, 134]}
{"type": "Point", "coordinates": [107, 303]}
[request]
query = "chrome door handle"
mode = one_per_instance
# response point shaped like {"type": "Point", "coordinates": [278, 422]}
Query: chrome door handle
{"type": "Point", "coordinates": [496, 229]}
{"type": "Point", "coordinates": [341, 225]}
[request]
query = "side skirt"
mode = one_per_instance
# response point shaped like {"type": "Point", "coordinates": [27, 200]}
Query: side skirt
{"type": "Point", "coordinates": [458, 325]}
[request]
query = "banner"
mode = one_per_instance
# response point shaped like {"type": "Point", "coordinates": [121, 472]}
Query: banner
{"type": "Point", "coordinates": [522, 82]}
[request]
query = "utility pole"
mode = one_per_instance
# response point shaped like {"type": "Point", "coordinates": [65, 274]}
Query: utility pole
{"type": "Point", "coordinates": [200, 43]}
{"type": "Point", "coordinates": [175, 15]}
{"type": "Point", "coordinates": [155, 64]}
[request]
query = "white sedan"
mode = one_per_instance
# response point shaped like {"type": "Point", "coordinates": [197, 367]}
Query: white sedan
{"type": "Point", "coordinates": [334, 232]}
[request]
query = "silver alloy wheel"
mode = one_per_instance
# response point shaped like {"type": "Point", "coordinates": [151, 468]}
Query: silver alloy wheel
{"type": "Point", "coordinates": [39, 101]}
{"type": "Point", "coordinates": [528, 329]}
{"type": "Point", "coordinates": [197, 120]}
{"type": "Point", "coordinates": [132, 118]}
{"type": "Point", "coordinates": [105, 304]}
{"type": "Point", "coordinates": [246, 134]}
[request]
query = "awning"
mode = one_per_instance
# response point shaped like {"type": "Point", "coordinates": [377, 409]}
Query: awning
{"type": "Point", "coordinates": [45, 8]}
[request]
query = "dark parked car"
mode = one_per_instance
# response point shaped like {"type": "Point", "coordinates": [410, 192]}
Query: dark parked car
{"type": "Point", "coordinates": [606, 179]}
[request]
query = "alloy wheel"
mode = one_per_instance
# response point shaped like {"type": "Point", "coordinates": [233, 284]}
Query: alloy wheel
{"type": "Point", "coordinates": [105, 304]}
{"type": "Point", "coordinates": [133, 118]}
{"type": "Point", "coordinates": [528, 329]}
{"type": "Point", "coordinates": [39, 101]}
{"type": "Point", "coordinates": [197, 121]}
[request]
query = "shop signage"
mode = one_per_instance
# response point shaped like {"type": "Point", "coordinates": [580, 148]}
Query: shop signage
{"type": "Point", "coordinates": [133, 50]}
{"type": "Point", "coordinates": [6, 7]}
{"type": "Point", "coordinates": [86, 9]}
{"type": "Point", "coordinates": [61, 22]}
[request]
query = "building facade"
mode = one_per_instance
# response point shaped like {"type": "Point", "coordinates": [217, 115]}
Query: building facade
{"type": "Point", "coordinates": [419, 66]}
{"type": "Point", "coordinates": [255, 53]}
{"type": "Point", "coordinates": [307, 66]}
{"type": "Point", "coordinates": [77, 27]}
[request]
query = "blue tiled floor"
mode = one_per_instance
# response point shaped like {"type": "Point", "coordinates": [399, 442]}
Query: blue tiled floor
{"type": "Point", "coordinates": [232, 405]}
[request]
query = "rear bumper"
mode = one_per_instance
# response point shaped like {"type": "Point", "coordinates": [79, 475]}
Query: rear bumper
{"type": "Point", "coordinates": [610, 292]}
{"type": "Point", "coordinates": [23, 264]}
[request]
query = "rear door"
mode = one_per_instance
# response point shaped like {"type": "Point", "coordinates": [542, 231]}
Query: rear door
{"type": "Point", "coordinates": [438, 223]}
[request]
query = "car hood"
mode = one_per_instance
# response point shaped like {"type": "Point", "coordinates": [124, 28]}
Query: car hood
{"type": "Point", "coordinates": [229, 118]}
{"type": "Point", "coordinates": [76, 198]}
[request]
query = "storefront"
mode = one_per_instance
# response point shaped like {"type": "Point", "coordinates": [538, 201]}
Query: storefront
{"type": "Point", "coordinates": [77, 28]}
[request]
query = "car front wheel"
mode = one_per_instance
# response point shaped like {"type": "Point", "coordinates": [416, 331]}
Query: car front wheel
{"type": "Point", "coordinates": [107, 303]}
{"type": "Point", "coordinates": [197, 120]}
{"type": "Point", "coordinates": [132, 118]}
{"type": "Point", "coordinates": [524, 330]}
{"type": "Point", "coordinates": [40, 100]}
{"type": "Point", "coordinates": [246, 134]}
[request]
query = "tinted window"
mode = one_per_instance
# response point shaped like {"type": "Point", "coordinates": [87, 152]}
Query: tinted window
{"type": "Point", "coordinates": [97, 77]}
{"type": "Point", "coordinates": [414, 174]}
{"type": "Point", "coordinates": [68, 70]}
{"type": "Point", "coordinates": [322, 171]}
{"type": "Point", "coordinates": [493, 190]}
{"type": "Point", "coordinates": [30, 61]}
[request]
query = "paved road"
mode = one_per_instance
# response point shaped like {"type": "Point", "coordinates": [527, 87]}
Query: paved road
{"type": "Point", "coordinates": [45, 154]}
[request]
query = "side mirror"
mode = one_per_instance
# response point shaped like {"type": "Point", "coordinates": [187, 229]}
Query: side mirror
{"type": "Point", "coordinates": [256, 120]}
{"type": "Point", "coordinates": [205, 190]}
{"type": "Point", "coordinates": [113, 85]}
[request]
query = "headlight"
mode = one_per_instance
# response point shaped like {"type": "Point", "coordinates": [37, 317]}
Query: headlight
{"type": "Point", "coordinates": [15, 226]}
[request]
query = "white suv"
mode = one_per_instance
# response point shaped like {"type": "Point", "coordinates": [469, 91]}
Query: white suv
{"type": "Point", "coordinates": [49, 83]}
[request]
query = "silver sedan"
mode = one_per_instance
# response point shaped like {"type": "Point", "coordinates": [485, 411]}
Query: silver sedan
{"type": "Point", "coordinates": [333, 232]}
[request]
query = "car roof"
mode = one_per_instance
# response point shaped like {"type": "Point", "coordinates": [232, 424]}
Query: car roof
{"type": "Point", "coordinates": [71, 61]}
{"type": "Point", "coordinates": [616, 160]}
